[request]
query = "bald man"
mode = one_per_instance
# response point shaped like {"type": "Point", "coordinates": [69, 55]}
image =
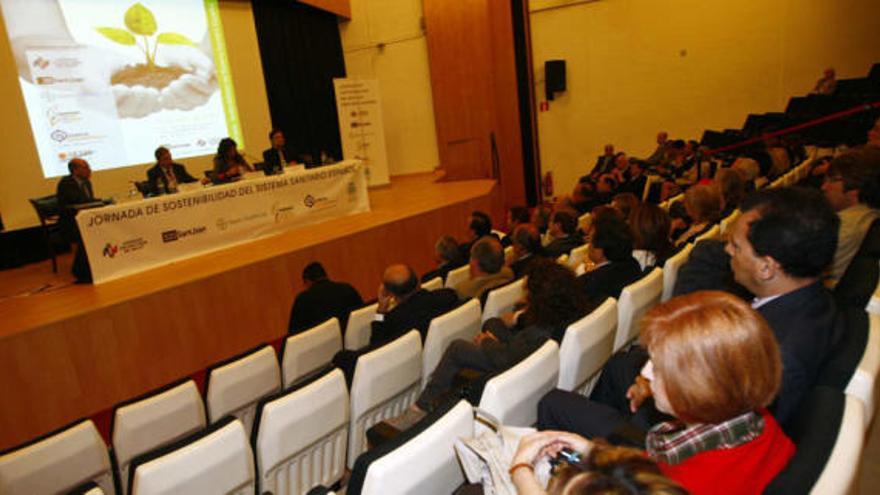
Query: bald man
{"type": "Point", "coordinates": [73, 191]}
{"type": "Point", "coordinates": [404, 305]}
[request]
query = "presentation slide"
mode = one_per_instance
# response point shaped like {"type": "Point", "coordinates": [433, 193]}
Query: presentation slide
{"type": "Point", "coordinates": [111, 80]}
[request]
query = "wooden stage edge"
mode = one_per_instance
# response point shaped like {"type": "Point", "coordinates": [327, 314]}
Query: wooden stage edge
{"type": "Point", "coordinates": [80, 349]}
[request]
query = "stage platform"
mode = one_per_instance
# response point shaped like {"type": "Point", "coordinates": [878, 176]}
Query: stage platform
{"type": "Point", "coordinates": [69, 351]}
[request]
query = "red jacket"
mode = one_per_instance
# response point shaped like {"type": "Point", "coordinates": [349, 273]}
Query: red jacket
{"type": "Point", "coordinates": [742, 470]}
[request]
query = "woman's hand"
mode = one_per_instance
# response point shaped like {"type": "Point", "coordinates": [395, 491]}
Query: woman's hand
{"type": "Point", "coordinates": [638, 392]}
{"type": "Point", "coordinates": [548, 443]}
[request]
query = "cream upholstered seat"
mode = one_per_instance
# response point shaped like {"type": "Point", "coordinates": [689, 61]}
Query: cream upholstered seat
{"type": "Point", "coordinates": [58, 463]}
{"type": "Point", "coordinates": [301, 437]}
{"type": "Point", "coordinates": [586, 346]}
{"type": "Point", "coordinates": [636, 299]}
{"type": "Point", "coordinates": [502, 299]}
{"type": "Point", "coordinates": [462, 322]}
{"type": "Point", "coordinates": [236, 387]}
{"type": "Point", "coordinates": [512, 396]}
{"type": "Point", "coordinates": [359, 329]}
{"type": "Point", "coordinates": [310, 352]}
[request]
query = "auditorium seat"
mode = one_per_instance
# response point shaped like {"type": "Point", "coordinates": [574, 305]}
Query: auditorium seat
{"type": "Point", "coordinates": [862, 277]}
{"type": "Point", "coordinates": [508, 255]}
{"type": "Point", "coordinates": [57, 463]}
{"type": "Point", "coordinates": [829, 434]}
{"type": "Point", "coordinates": [713, 233]}
{"type": "Point", "coordinates": [148, 423]}
{"type": "Point", "coordinates": [578, 255]}
{"type": "Point", "coordinates": [309, 352]}
{"type": "Point", "coordinates": [671, 267]}
{"type": "Point", "coordinates": [457, 276]}
{"type": "Point", "coordinates": [420, 461]}
{"type": "Point", "coordinates": [300, 437]}
{"type": "Point", "coordinates": [235, 388]}
{"type": "Point", "coordinates": [584, 222]}
{"type": "Point", "coordinates": [90, 488]}
{"type": "Point", "coordinates": [635, 300]}
{"type": "Point", "coordinates": [462, 322]}
{"type": "Point", "coordinates": [502, 300]}
{"type": "Point", "coordinates": [218, 460]}
{"type": "Point", "coordinates": [385, 383]}
{"type": "Point", "coordinates": [512, 396]}
{"type": "Point", "coordinates": [586, 346]}
{"type": "Point", "coordinates": [433, 284]}
{"type": "Point", "coordinates": [47, 211]}
{"type": "Point", "coordinates": [359, 329]}
{"type": "Point", "coordinates": [864, 382]}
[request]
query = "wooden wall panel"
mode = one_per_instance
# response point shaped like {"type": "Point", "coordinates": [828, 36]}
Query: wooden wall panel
{"type": "Point", "coordinates": [473, 79]}
{"type": "Point", "coordinates": [77, 352]}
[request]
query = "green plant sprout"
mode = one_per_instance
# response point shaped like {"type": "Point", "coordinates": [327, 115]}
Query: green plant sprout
{"type": "Point", "coordinates": [140, 21]}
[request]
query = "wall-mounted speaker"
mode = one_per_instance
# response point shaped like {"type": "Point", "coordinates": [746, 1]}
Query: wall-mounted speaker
{"type": "Point", "coordinates": [554, 77]}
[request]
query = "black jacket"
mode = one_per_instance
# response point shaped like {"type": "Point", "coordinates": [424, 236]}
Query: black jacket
{"type": "Point", "coordinates": [70, 194]}
{"type": "Point", "coordinates": [322, 301]}
{"type": "Point", "coordinates": [563, 245]}
{"type": "Point", "coordinates": [804, 324]}
{"type": "Point", "coordinates": [272, 162]}
{"type": "Point", "coordinates": [609, 280]}
{"type": "Point", "coordinates": [155, 175]}
{"type": "Point", "coordinates": [416, 312]}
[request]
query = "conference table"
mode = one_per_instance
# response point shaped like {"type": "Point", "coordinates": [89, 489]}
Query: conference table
{"type": "Point", "coordinates": [132, 236]}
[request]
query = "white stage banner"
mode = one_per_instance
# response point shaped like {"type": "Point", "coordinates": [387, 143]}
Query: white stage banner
{"type": "Point", "coordinates": [127, 238]}
{"type": "Point", "coordinates": [359, 108]}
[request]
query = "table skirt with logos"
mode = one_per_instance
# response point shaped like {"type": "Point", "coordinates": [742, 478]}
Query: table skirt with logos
{"type": "Point", "coordinates": [130, 237]}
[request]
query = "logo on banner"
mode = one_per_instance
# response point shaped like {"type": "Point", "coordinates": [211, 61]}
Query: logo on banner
{"type": "Point", "coordinates": [222, 224]}
{"type": "Point", "coordinates": [176, 235]}
{"type": "Point", "coordinates": [309, 201]}
{"type": "Point", "coordinates": [110, 250]}
{"type": "Point", "coordinates": [282, 212]}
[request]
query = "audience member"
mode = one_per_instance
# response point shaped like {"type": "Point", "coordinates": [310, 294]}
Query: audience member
{"type": "Point", "coordinates": [874, 135]}
{"type": "Point", "coordinates": [636, 178]}
{"type": "Point", "coordinates": [487, 269]}
{"type": "Point", "coordinates": [447, 256]}
{"type": "Point", "coordinates": [852, 187]}
{"type": "Point", "coordinates": [165, 176]}
{"type": "Point", "coordinates": [715, 385]}
{"type": "Point", "coordinates": [703, 206]}
{"type": "Point", "coordinates": [605, 161]}
{"type": "Point", "coordinates": [479, 225]}
{"type": "Point", "coordinates": [650, 226]}
{"type": "Point", "coordinates": [626, 203]}
{"type": "Point", "coordinates": [826, 84]}
{"type": "Point", "coordinates": [279, 155]}
{"type": "Point", "coordinates": [228, 162]}
{"type": "Point", "coordinates": [541, 220]}
{"type": "Point", "coordinates": [779, 247]}
{"type": "Point", "coordinates": [708, 268]}
{"type": "Point", "coordinates": [516, 216]}
{"type": "Point", "coordinates": [526, 249]}
{"type": "Point", "coordinates": [732, 187]}
{"type": "Point", "coordinates": [564, 232]}
{"type": "Point", "coordinates": [605, 469]}
{"type": "Point", "coordinates": [321, 300]}
{"type": "Point", "coordinates": [611, 266]}
{"type": "Point", "coordinates": [404, 306]}
{"type": "Point", "coordinates": [658, 157]}
{"type": "Point", "coordinates": [553, 301]}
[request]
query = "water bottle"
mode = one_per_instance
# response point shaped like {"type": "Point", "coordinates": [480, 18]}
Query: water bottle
{"type": "Point", "coordinates": [133, 192]}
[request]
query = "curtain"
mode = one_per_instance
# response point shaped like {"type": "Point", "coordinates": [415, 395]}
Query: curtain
{"type": "Point", "coordinates": [301, 53]}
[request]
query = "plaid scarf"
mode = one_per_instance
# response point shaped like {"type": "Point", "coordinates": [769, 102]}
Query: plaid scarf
{"type": "Point", "coordinates": [672, 442]}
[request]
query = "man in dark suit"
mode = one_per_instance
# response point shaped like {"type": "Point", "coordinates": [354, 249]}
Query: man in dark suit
{"type": "Point", "coordinates": [563, 230]}
{"type": "Point", "coordinates": [526, 249]}
{"type": "Point", "coordinates": [610, 255]}
{"type": "Point", "coordinates": [323, 299]}
{"type": "Point", "coordinates": [165, 175]}
{"type": "Point", "coordinates": [279, 155]}
{"type": "Point", "coordinates": [779, 248]}
{"type": "Point", "coordinates": [605, 162]}
{"type": "Point", "coordinates": [73, 192]}
{"type": "Point", "coordinates": [404, 306]}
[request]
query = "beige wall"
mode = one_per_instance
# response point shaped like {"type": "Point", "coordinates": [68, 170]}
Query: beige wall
{"type": "Point", "coordinates": [401, 67]}
{"type": "Point", "coordinates": [20, 173]}
{"type": "Point", "coordinates": [637, 66]}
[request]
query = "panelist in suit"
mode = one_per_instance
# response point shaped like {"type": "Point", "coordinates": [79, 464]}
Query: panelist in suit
{"type": "Point", "coordinates": [73, 192]}
{"type": "Point", "coordinates": [323, 299]}
{"type": "Point", "coordinates": [279, 155]}
{"type": "Point", "coordinates": [228, 162]}
{"type": "Point", "coordinates": [165, 176]}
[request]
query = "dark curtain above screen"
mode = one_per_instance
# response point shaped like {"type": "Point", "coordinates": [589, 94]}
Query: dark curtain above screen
{"type": "Point", "coordinates": [301, 53]}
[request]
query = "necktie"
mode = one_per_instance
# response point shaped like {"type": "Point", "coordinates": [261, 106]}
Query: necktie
{"type": "Point", "coordinates": [87, 189]}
